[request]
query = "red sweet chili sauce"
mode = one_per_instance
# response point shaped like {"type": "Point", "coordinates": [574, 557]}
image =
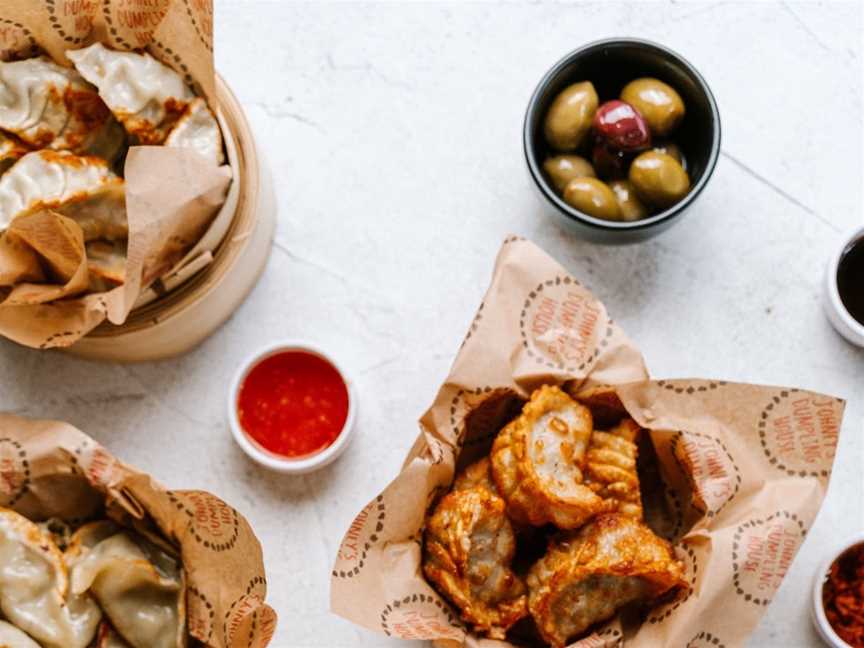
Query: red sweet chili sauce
{"type": "Point", "coordinates": [293, 403]}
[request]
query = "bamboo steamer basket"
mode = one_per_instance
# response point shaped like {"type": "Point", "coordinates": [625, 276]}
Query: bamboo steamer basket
{"type": "Point", "coordinates": [216, 277]}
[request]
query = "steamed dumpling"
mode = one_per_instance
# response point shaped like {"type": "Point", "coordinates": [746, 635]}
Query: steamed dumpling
{"type": "Point", "coordinates": [140, 588]}
{"type": "Point", "coordinates": [197, 129]}
{"type": "Point", "coordinates": [145, 95]}
{"type": "Point", "coordinates": [34, 587]}
{"type": "Point", "coordinates": [49, 106]}
{"type": "Point", "coordinates": [12, 637]}
{"type": "Point", "coordinates": [57, 180]}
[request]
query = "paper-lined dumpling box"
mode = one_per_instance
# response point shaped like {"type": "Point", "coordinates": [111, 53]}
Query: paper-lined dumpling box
{"type": "Point", "coordinates": [134, 213]}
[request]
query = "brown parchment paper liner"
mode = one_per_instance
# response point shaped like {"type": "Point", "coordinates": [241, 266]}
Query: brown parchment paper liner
{"type": "Point", "coordinates": [51, 469]}
{"type": "Point", "coordinates": [740, 474]}
{"type": "Point", "coordinates": [171, 193]}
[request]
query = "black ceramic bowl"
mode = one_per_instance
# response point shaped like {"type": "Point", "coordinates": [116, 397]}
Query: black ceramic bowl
{"type": "Point", "coordinates": [610, 65]}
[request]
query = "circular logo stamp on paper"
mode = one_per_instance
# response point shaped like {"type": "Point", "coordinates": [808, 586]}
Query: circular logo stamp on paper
{"type": "Point", "coordinates": [14, 472]}
{"type": "Point", "coordinates": [762, 550]}
{"type": "Point", "coordinates": [131, 24]}
{"type": "Point", "coordinates": [705, 640]}
{"type": "Point", "coordinates": [798, 432]}
{"type": "Point", "coordinates": [178, 65]}
{"type": "Point", "coordinates": [710, 468]}
{"type": "Point", "coordinates": [201, 14]}
{"type": "Point", "coordinates": [100, 468]}
{"type": "Point", "coordinates": [72, 19]}
{"type": "Point", "coordinates": [686, 554]}
{"type": "Point", "coordinates": [16, 41]}
{"type": "Point", "coordinates": [200, 615]}
{"type": "Point", "coordinates": [420, 616]}
{"type": "Point", "coordinates": [562, 326]}
{"type": "Point", "coordinates": [249, 621]}
{"type": "Point", "coordinates": [212, 523]}
{"type": "Point", "coordinates": [362, 535]}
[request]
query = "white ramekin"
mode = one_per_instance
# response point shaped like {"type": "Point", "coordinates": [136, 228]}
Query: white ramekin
{"type": "Point", "coordinates": [272, 460]}
{"type": "Point", "coordinates": [839, 317]}
{"type": "Point", "coordinates": [817, 611]}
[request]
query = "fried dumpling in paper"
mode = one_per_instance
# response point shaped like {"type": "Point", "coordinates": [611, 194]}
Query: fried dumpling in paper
{"type": "Point", "coordinates": [197, 129]}
{"type": "Point", "coordinates": [12, 637]}
{"type": "Point", "coordinates": [145, 95]}
{"type": "Point", "coordinates": [101, 212]}
{"type": "Point", "coordinates": [60, 180]}
{"type": "Point", "coordinates": [538, 462]}
{"type": "Point", "coordinates": [586, 576]}
{"type": "Point", "coordinates": [139, 587]}
{"type": "Point", "coordinates": [469, 545]}
{"type": "Point", "coordinates": [106, 264]}
{"type": "Point", "coordinates": [49, 106]}
{"type": "Point", "coordinates": [34, 587]}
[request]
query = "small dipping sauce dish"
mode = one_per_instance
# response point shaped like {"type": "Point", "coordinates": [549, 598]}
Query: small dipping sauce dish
{"type": "Point", "coordinates": [844, 288]}
{"type": "Point", "coordinates": [291, 407]}
{"type": "Point", "coordinates": [838, 597]}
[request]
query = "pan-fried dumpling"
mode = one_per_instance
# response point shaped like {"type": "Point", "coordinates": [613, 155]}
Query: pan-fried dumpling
{"type": "Point", "coordinates": [145, 95]}
{"type": "Point", "coordinates": [53, 179]}
{"type": "Point", "coordinates": [12, 637]}
{"type": "Point", "coordinates": [34, 587]}
{"type": "Point", "coordinates": [49, 106]}
{"type": "Point", "coordinates": [140, 588]}
{"type": "Point", "coordinates": [197, 129]}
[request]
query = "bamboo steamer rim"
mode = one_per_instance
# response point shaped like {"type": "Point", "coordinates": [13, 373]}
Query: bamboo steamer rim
{"type": "Point", "coordinates": [203, 283]}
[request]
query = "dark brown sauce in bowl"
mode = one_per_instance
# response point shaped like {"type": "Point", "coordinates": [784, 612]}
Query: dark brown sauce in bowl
{"type": "Point", "coordinates": [850, 279]}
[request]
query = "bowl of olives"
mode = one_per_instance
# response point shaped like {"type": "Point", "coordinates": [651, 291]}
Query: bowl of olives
{"type": "Point", "coordinates": [620, 138]}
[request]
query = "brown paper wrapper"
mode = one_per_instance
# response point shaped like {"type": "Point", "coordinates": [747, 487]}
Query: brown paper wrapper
{"type": "Point", "coordinates": [171, 194]}
{"type": "Point", "coordinates": [51, 469]}
{"type": "Point", "coordinates": [739, 476]}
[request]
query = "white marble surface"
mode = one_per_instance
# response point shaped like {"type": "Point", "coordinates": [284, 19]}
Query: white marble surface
{"type": "Point", "coordinates": [393, 131]}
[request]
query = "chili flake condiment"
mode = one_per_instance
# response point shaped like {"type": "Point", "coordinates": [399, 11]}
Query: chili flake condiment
{"type": "Point", "coordinates": [293, 403]}
{"type": "Point", "coordinates": [843, 596]}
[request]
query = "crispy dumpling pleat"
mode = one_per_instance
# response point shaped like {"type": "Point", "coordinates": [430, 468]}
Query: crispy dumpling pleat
{"type": "Point", "coordinates": [145, 95]}
{"type": "Point", "coordinates": [611, 468]}
{"type": "Point", "coordinates": [586, 576]}
{"type": "Point", "coordinates": [140, 588]}
{"type": "Point", "coordinates": [34, 587]}
{"type": "Point", "coordinates": [538, 462]}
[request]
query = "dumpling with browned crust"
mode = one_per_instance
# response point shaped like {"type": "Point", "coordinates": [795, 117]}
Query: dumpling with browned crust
{"type": "Point", "coordinates": [588, 575]}
{"type": "Point", "coordinates": [538, 462]}
{"type": "Point", "coordinates": [469, 545]}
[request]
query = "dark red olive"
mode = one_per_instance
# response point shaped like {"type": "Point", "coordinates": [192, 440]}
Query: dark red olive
{"type": "Point", "coordinates": [609, 163]}
{"type": "Point", "coordinates": [621, 126]}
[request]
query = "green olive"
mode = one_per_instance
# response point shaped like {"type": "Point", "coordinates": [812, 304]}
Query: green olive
{"type": "Point", "coordinates": [671, 148]}
{"type": "Point", "coordinates": [658, 102]}
{"type": "Point", "coordinates": [658, 179]}
{"type": "Point", "coordinates": [593, 197]}
{"type": "Point", "coordinates": [629, 205]}
{"type": "Point", "coordinates": [561, 169]}
{"type": "Point", "coordinates": [569, 118]}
